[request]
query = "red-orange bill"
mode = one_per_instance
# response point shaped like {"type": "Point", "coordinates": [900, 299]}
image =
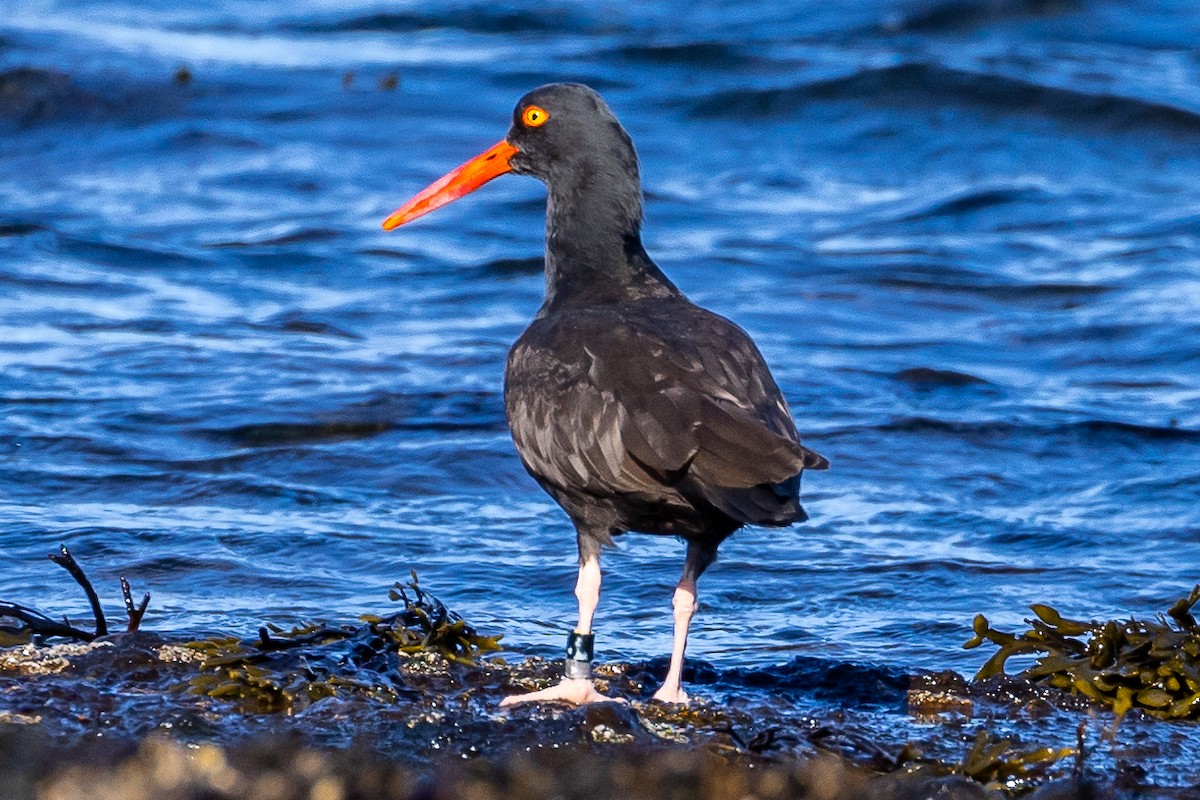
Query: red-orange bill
{"type": "Point", "coordinates": [489, 164]}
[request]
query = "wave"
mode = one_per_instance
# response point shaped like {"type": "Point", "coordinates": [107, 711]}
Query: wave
{"type": "Point", "coordinates": [840, 682]}
{"type": "Point", "coordinates": [937, 377]}
{"type": "Point", "coordinates": [958, 15]}
{"type": "Point", "coordinates": [266, 434]}
{"type": "Point", "coordinates": [711, 55]}
{"type": "Point", "coordinates": [1089, 429]}
{"type": "Point", "coordinates": [1136, 384]}
{"type": "Point", "coordinates": [30, 96]}
{"type": "Point", "coordinates": [207, 141]}
{"type": "Point", "coordinates": [1012, 292]}
{"type": "Point", "coordinates": [887, 271]}
{"type": "Point", "coordinates": [15, 228]}
{"type": "Point", "coordinates": [141, 325]}
{"type": "Point", "coordinates": [122, 254]}
{"type": "Point", "coordinates": [472, 19]}
{"type": "Point", "coordinates": [923, 84]}
{"type": "Point", "coordinates": [974, 200]}
{"type": "Point", "coordinates": [302, 236]}
{"type": "Point", "coordinates": [433, 411]}
{"type": "Point", "coordinates": [296, 322]}
{"type": "Point", "coordinates": [513, 267]}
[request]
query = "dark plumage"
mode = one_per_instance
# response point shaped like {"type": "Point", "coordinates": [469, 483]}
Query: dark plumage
{"type": "Point", "coordinates": [636, 409]}
{"type": "Point", "coordinates": [656, 416]}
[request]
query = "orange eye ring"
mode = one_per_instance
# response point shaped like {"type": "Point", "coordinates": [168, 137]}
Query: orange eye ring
{"type": "Point", "coordinates": [533, 116]}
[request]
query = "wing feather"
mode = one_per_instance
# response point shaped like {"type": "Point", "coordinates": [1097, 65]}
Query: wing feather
{"type": "Point", "coordinates": [612, 404]}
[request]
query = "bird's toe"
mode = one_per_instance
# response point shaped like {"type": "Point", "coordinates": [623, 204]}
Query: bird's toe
{"type": "Point", "coordinates": [576, 691]}
{"type": "Point", "coordinates": [674, 695]}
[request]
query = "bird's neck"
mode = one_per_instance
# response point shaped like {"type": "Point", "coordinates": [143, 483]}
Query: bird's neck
{"type": "Point", "coordinates": [594, 251]}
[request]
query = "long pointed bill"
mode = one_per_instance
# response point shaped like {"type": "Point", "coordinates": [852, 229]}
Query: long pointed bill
{"type": "Point", "coordinates": [470, 176]}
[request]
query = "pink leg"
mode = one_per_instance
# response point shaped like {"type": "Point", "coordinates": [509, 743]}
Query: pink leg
{"type": "Point", "coordinates": [699, 556]}
{"type": "Point", "coordinates": [684, 603]}
{"type": "Point", "coordinates": [587, 592]}
{"type": "Point", "coordinates": [574, 690]}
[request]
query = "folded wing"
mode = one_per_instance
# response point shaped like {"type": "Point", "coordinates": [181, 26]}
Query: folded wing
{"type": "Point", "coordinates": [696, 417]}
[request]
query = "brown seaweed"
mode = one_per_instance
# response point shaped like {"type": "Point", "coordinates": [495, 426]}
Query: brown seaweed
{"type": "Point", "coordinates": [366, 661]}
{"type": "Point", "coordinates": [1153, 666]}
{"type": "Point", "coordinates": [998, 763]}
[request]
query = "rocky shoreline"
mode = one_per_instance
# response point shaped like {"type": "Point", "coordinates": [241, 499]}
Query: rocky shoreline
{"type": "Point", "coordinates": [406, 705]}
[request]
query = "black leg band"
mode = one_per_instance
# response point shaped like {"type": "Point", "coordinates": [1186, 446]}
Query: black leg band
{"type": "Point", "coordinates": [580, 647]}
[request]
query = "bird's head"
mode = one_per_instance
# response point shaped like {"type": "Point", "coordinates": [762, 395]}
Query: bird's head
{"type": "Point", "coordinates": [562, 133]}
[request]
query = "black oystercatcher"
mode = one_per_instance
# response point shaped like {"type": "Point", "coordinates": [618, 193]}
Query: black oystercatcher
{"type": "Point", "coordinates": [634, 408]}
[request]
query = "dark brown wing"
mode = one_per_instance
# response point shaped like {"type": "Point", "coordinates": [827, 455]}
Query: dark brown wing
{"type": "Point", "coordinates": [671, 401]}
{"type": "Point", "coordinates": [567, 429]}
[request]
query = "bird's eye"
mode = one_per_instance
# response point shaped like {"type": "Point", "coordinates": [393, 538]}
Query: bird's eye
{"type": "Point", "coordinates": [534, 116]}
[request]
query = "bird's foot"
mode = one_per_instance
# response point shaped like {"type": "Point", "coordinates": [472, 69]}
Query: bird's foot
{"type": "Point", "coordinates": [576, 691]}
{"type": "Point", "coordinates": [672, 694]}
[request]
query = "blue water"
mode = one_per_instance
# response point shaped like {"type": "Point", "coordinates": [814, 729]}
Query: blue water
{"type": "Point", "coordinates": [965, 236]}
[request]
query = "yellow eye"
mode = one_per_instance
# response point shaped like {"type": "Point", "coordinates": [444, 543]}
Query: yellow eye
{"type": "Point", "coordinates": [534, 116]}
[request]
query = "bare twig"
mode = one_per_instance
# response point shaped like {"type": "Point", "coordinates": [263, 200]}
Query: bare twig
{"type": "Point", "coordinates": [67, 561]}
{"type": "Point", "coordinates": [40, 624]}
{"type": "Point", "coordinates": [135, 612]}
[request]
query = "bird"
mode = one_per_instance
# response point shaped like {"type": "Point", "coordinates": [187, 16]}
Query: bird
{"type": "Point", "coordinates": [631, 406]}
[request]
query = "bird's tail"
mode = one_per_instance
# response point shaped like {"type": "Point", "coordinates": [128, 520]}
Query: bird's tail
{"type": "Point", "coordinates": [771, 504]}
{"type": "Point", "coordinates": [813, 459]}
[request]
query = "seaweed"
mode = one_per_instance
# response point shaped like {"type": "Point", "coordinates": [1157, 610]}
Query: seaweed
{"type": "Point", "coordinates": [426, 624]}
{"type": "Point", "coordinates": [1153, 666]}
{"type": "Point", "coordinates": [367, 661]}
{"type": "Point", "coordinates": [998, 763]}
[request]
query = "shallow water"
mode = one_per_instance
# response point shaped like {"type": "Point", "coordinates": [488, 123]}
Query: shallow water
{"type": "Point", "coordinates": [965, 238]}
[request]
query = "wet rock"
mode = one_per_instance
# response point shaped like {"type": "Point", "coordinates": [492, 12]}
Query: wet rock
{"type": "Point", "coordinates": [34, 660]}
{"type": "Point", "coordinates": [951, 787]}
{"type": "Point", "coordinates": [1070, 789]}
{"type": "Point", "coordinates": [611, 723]}
{"type": "Point", "coordinates": [414, 691]}
{"type": "Point", "coordinates": [925, 703]}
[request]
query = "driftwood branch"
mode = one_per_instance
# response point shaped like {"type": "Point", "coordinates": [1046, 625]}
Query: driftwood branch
{"type": "Point", "coordinates": [135, 612]}
{"type": "Point", "coordinates": [40, 624]}
{"type": "Point", "coordinates": [67, 561]}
